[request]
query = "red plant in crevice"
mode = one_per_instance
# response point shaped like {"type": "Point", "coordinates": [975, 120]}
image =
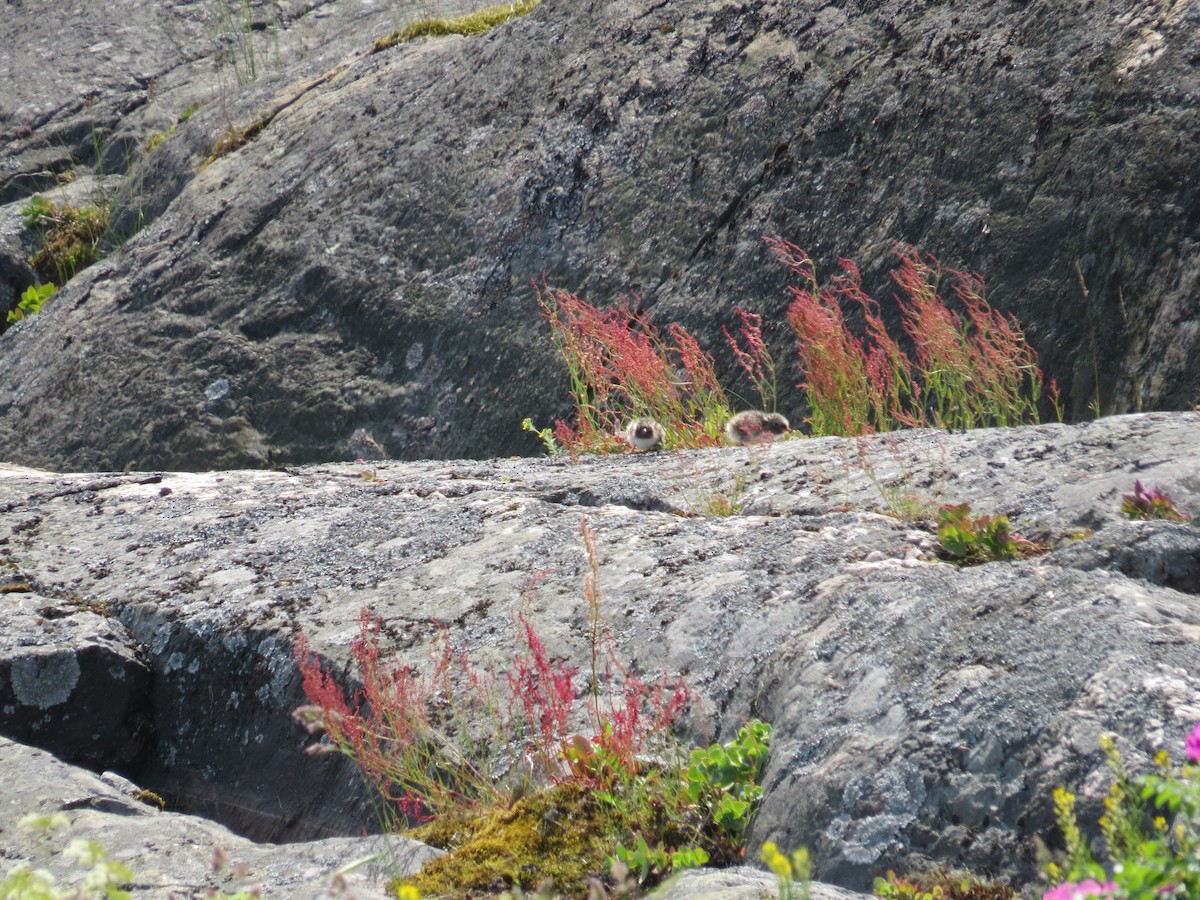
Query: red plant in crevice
{"type": "Point", "coordinates": [545, 692]}
{"type": "Point", "coordinates": [972, 368]}
{"type": "Point", "coordinates": [452, 735]}
{"type": "Point", "coordinates": [621, 368]}
{"type": "Point", "coordinates": [755, 358]}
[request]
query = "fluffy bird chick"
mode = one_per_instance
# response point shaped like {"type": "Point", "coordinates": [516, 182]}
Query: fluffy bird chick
{"type": "Point", "coordinates": [754, 427]}
{"type": "Point", "coordinates": [645, 434]}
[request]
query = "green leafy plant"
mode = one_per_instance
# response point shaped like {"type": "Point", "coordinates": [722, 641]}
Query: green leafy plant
{"type": "Point", "coordinates": [70, 236]}
{"type": "Point", "coordinates": [1151, 503]}
{"type": "Point", "coordinates": [979, 539]}
{"type": "Point", "coordinates": [789, 871]}
{"type": "Point", "coordinates": [720, 790]}
{"type": "Point", "coordinates": [1151, 831]}
{"type": "Point", "coordinates": [724, 778]}
{"type": "Point", "coordinates": [645, 861]}
{"type": "Point", "coordinates": [546, 436]}
{"type": "Point", "coordinates": [31, 301]}
{"type": "Point", "coordinates": [38, 213]}
{"type": "Point", "coordinates": [478, 22]}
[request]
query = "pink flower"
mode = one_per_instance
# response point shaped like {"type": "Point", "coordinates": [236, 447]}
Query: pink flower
{"type": "Point", "coordinates": [1083, 890]}
{"type": "Point", "coordinates": [1193, 745]}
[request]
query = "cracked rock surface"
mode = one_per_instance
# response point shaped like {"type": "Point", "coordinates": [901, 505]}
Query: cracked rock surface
{"type": "Point", "coordinates": [172, 855]}
{"type": "Point", "coordinates": [923, 711]}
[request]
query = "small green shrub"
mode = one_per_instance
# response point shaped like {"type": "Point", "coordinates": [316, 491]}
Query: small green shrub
{"type": "Point", "coordinates": [31, 301]}
{"type": "Point", "coordinates": [724, 778]}
{"type": "Point", "coordinates": [1151, 503]}
{"type": "Point", "coordinates": [70, 236]}
{"type": "Point", "coordinates": [37, 213]}
{"type": "Point", "coordinates": [980, 539]}
{"type": "Point", "coordinates": [939, 885]}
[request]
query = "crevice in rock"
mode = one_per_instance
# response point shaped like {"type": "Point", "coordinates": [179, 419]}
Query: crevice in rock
{"type": "Point", "coordinates": [1163, 554]}
{"type": "Point", "coordinates": [197, 713]}
{"type": "Point", "coordinates": [638, 499]}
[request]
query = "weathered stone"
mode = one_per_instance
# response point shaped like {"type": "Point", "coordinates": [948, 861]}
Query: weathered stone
{"type": "Point", "coordinates": [738, 883]}
{"type": "Point", "coordinates": [364, 262]}
{"type": "Point", "coordinates": [71, 681]}
{"type": "Point", "coordinates": [173, 855]}
{"type": "Point", "coordinates": [923, 712]}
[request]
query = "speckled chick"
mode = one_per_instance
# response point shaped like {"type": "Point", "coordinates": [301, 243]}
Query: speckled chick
{"type": "Point", "coordinates": [645, 434]}
{"type": "Point", "coordinates": [755, 427]}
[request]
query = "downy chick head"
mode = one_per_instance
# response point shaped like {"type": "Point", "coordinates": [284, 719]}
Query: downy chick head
{"type": "Point", "coordinates": [645, 434]}
{"type": "Point", "coordinates": [755, 427]}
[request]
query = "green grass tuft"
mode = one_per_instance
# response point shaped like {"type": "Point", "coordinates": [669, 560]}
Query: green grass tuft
{"type": "Point", "coordinates": [478, 22]}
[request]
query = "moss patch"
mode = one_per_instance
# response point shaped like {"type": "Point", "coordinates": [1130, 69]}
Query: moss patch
{"type": "Point", "coordinates": [70, 237]}
{"type": "Point", "coordinates": [560, 835]}
{"type": "Point", "coordinates": [478, 22]}
{"type": "Point", "coordinates": [233, 138]}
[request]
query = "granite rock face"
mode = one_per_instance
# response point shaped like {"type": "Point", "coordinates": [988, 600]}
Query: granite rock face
{"type": "Point", "coordinates": [923, 712]}
{"type": "Point", "coordinates": [359, 271]}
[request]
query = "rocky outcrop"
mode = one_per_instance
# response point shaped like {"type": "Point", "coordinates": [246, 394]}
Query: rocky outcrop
{"type": "Point", "coordinates": [52, 653]}
{"type": "Point", "coordinates": [923, 712]}
{"type": "Point", "coordinates": [362, 265]}
{"type": "Point", "coordinates": [173, 855]}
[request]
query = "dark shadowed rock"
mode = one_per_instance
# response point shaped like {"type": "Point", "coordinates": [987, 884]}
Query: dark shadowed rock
{"type": "Point", "coordinates": [72, 681]}
{"type": "Point", "coordinates": [923, 712]}
{"type": "Point", "coordinates": [364, 262]}
{"type": "Point", "coordinates": [172, 855]}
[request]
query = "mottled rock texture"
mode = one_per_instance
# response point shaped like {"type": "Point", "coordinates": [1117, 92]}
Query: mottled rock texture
{"type": "Point", "coordinates": [173, 855]}
{"type": "Point", "coordinates": [923, 712]}
{"type": "Point", "coordinates": [72, 681]}
{"type": "Point", "coordinates": [362, 265]}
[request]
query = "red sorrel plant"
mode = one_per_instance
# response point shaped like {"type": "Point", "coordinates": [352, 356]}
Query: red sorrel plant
{"type": "Point", "coordinates": [755, 358]}
{"type": "Point", "coordinates": [621, 368]}
{"type": "Point", "coordinates": [972, 368]}
{"type": "Point", "coordinates": [493, 759]}
{"type": "Point", "coordinates": [404, 727]}
{"type": "Point", "coordinates": [455, 736]}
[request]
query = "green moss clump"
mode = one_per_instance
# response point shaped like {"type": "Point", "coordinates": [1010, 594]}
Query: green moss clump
{"type": "Point", "coordinates": [478, 22]}
{"type": "Point", "coordinates": [70, 237]}
{"type": "Point", "coordinates": [557, 835]}
{"type": "Point", "coordinates": [234, 138]}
